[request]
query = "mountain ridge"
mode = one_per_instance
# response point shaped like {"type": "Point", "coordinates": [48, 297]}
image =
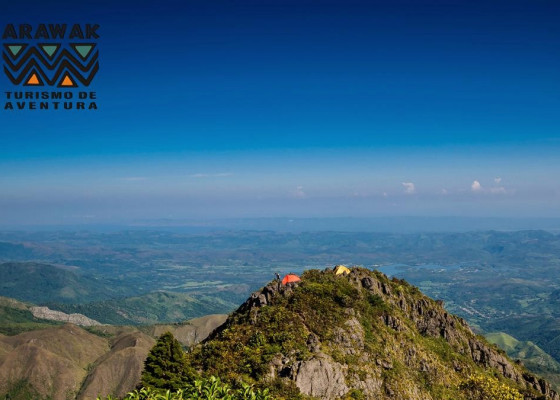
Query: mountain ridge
{"type": "Point", "coordinates": [68, 362]}
{"type": "Point", "coordinates": [361, 334]}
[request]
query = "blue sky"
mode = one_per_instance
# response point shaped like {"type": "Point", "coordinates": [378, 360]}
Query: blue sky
{"type": "Point", "coordinates": [297, 109]}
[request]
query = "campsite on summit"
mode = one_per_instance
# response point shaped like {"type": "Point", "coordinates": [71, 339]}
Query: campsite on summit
{"type": "Point", "coordinates": [290, 278]}
{"type": "Point", "coordinates": [358, 335]}
{"type": "Point", "coordinates": [325, 331]}
{"type": "Point", "coordinates": [355, 334]}
{"type": "Point", "coordinates": [280, 200]}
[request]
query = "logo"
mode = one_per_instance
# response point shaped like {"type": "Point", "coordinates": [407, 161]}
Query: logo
{"type": "Point", "coordinates": [48, 56]}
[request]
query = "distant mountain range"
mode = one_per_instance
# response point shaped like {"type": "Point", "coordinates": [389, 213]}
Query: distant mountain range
{"type": "Point", "coordinates": [499, 281]}
{"type": "Point", "coordinates": [69, 291]}
{"type": "Point", "coordinates": [395, 224]}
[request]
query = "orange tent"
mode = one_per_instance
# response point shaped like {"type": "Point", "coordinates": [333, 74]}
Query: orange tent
{"type": "Point", "coordinates": [290, 278]}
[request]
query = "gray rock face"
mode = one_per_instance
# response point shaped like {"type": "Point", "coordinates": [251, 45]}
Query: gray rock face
{"type": "Point", "coordinates": [542, 386]}
{"type": "Point", "coordinates": [431, 319]}
{"type": "Point", "coordinates": [320, 377]}
{"type": "Point", "coordinates": [330, 370]}
{"type": "Point", "coordinates": [351, 339]}
{"type": "Point", "coordinates": [482, 354]}
{"type": "Point", "coordinates": [370, 385]}
{"type": "Point", "coordinates": [52, 315]}
{"type": "Point", "coordinates": [264, 296]}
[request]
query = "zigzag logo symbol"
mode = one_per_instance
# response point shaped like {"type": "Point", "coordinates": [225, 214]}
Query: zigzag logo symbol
{"type": "Point", "coordinates": [50, 64]}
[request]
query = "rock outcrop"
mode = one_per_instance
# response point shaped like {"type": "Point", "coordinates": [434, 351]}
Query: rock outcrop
{"type": "Point", "coordinates": [363, 334]}
{"type": "Point", "coordinates": [53, 315]}
{"type": "Point", "coordinates": [320, 377]}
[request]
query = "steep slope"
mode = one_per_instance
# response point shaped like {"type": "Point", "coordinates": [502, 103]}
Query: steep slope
{"type": "Point", "coordinates": [118, 371]}
{"type": "Point", "coordinates": [360, 335]}
{"type": "Point", "coordinates": [50, 362]}
{"type": "Point", "coordinates": [68, 362]}
{"type": "Point", "coordinates": [532, 356]}
{"type": "Point", "coordinates": [192, 331]}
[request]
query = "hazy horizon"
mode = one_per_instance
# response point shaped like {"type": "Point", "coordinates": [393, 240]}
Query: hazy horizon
{"type": "Point", "coordinates": [403, 224]}
{"type": "Point", "coordinates": [300, 109]}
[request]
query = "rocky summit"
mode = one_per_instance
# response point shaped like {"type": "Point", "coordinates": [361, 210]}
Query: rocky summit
{"type": "Point", "coordinates": [359, 335]}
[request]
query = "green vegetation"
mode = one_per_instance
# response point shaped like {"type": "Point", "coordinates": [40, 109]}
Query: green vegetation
{"type": "Point", "coordinates": [165, 366]}
{"type": "Point", "coordinates": [534, 358]}
{"type": "Point", "coordinates": [167, 376]}
{"type": "Point", "coordinates": [364, 324]}
{"type": "Point", "coordinates": [503, 340]}
{"type": "Point", "coordinates": [203, 389]}
{"type": "Point", "coordinates": [39, 283]}
{"type": "Point", "coordinates": [15, 318]}
{"type": "Point", "coordinates": [484, 387]}
{"type": "Point", "coordinates": [244, 349]}
{"type": "Point", "coordinates": [22, 390]}
{"type": "Point", "coordinates": [151, 308]}
{"type": "Point", "coordinates": [321, 309]}
{"type": "Point", "coordinates": [497, 281]}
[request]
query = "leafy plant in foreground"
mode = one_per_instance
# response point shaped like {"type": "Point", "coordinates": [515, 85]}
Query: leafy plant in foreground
{"type": "Point", "coordinates": [204, 389]}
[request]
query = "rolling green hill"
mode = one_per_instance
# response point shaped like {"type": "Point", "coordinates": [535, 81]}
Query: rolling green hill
{"type": "Point", "coordinates": [97, 298]}
{"type": "Point", "coordinates": [40, 283]}
{"type": "Point", "coordinates": [16, 251]}
{"type": "Point", "coordinates": [532, 356]}
{"type": "Point", "coordinates": [151, 308]}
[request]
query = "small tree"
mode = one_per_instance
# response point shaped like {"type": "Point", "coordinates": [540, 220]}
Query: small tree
{"type": "Point", "coordinates": [165, 366]}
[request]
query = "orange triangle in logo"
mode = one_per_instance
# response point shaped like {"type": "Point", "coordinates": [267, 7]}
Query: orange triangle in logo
{"type": "Point", "coordinates": [67, 81]}
{"type": "Point", "coordinates": [33, 80]}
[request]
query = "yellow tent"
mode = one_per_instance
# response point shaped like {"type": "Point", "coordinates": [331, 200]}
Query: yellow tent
{"type": "Point", "coordinates": [341, 270]}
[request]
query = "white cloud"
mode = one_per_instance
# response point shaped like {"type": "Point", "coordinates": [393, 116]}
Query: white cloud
{"type": "Point", "coordinates": [409, 187]}
{"type": "Point", "coordinates": [299, 193]}
{"type": "Point", "coordinates": [476, 186]}
{"type": "Point", "coordinates": [498, 180]}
